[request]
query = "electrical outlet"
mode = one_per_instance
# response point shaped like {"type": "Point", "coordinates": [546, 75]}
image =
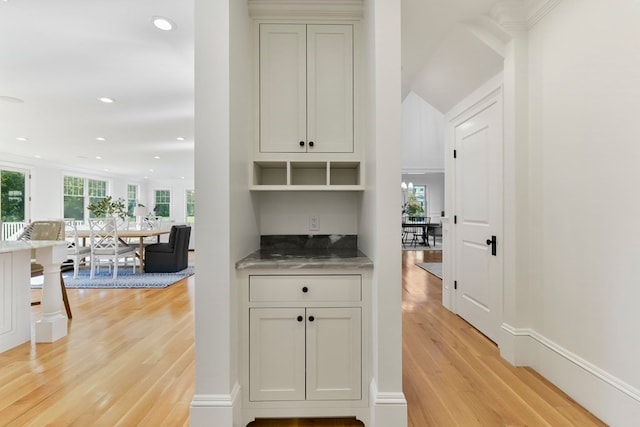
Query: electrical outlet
{"type": "Point", "coordinates": [314, 223]}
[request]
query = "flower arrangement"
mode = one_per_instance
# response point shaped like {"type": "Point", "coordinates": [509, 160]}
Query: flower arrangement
{"type": "Point", "coordinates": [412, 207]}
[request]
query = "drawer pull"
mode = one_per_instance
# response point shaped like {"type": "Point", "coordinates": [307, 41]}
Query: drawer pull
{"type": "Point", "coordinates": [305, 289]}
{"type": "Point", "coordinates": [300, 318]}
{"type": "Point", "coordinates": [311, 318]}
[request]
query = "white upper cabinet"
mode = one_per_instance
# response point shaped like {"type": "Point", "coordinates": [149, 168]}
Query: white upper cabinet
{"type": "Point", "coordinates": [306, 88]}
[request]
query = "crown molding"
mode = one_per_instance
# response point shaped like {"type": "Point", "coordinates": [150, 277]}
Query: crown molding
{"type": "Point", "coordinates": [538, 9]}
{"type": "Point", "coordinates": [324, 9]}
{"type": "Point", "coordinates": [521, 15]}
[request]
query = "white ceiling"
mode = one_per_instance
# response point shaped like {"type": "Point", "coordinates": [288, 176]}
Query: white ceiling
{"type": "Point", "coordinates": [60, 56]}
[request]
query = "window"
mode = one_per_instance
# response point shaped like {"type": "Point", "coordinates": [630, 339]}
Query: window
{"type": "Point", "coordinates": [191, 206]}
{"type": "Point", "coordinates": [421, 193]}
{"type": "Point", "coordinates": [78, 193]}
{"type": "Point", "coordinates": [162, 207]}
{"type": "Point", "coordinates": [12, 196]}
{"type": "Point", "coordinates": [132, 198]}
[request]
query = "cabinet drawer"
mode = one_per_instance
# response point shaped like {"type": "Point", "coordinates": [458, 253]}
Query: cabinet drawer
{"type": "Point", "coordinates": [305, 288]}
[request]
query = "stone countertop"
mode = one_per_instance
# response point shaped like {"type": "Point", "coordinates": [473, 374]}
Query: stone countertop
{"type": "Point", "coordinates": [7, 246]}
{"type": "Point", "coordinates": [305, 258]}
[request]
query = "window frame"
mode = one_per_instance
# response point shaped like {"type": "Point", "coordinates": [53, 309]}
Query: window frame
{"type": "Point", "coordinates": [155, 202]}
{"type": "Point", "coordinates": [88, 195]}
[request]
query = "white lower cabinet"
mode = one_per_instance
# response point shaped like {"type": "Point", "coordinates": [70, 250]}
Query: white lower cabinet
{"type": "Point", "coordinates": [304, 346]}
{"type": "Point", "coordinates": [305, 353]}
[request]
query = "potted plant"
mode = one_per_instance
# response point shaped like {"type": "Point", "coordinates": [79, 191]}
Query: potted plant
{"type": "Point", "coordinates": [108, 207]}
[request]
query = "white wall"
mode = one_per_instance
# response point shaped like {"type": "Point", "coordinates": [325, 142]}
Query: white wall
{"type": "Point", "coordinates": [178, 188]}
{"type": "Point", "coordinates": [223, 106]}
{"type": "Point", "coordinates": [289, 212]}
{"type": "Point", "coordinates": [422, 136]}
{"type": "Point", "coordinates": [584, 100]}
{"type": "Point", "coordinates": [379, 238]}
{"type": "Point", "coordinates": [47, 184]}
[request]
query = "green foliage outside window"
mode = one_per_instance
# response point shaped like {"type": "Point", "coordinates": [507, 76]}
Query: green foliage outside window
{"type": "Point", "coordinates": [191, 206]}
{"type": "Point", "coordinates": [73, 197]}
{"type": "Point", "coordinates": [12, 196]}
{"type": "Point", "coordinates": [79, 192]}
{"type": "Point", "coordinates": [162, 207]}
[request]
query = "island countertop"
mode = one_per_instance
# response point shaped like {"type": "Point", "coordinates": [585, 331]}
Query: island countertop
{"type": "Point", "coordinates": [7, 246]}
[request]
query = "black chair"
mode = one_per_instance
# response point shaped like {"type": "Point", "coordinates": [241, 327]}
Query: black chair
{"type": "Point", "coordinates": [169, 257]}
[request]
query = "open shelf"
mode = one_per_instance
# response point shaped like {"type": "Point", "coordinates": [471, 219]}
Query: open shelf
{"type": "Point", "coordinates": [306, 176]}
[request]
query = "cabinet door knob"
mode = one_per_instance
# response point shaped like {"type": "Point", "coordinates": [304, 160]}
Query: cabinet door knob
{"type": "Point", "coordinates": [310, 143]}
{"type": "Point", "coordinates": [300, 318]}
{"type": "Point", "coordinates": [301, 143]}
{"type": "Point", "coordinates": [305, 289]}
{"type": "Point", "coordinates": [311, 318]}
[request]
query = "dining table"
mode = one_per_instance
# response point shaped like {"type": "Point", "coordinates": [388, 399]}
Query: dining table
{"type": "Point", "coordinates": [123, 234]}
{"type": "Point", "coordinates": [410, 227]}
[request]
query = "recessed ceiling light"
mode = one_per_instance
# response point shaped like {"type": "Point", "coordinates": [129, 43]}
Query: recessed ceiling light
{"type": "Point", "coordinates": [98, 158]}
{"type": "Point", "coordinates": [180, 138]}
{"type": "Point", "coordinates": [20, 138]}
{"type": "Point", "coordinates": [106, 100]}
{"type": "Point", "coordinates": [162, 23]}
{"type": "Point", "coordinates": [11, 99]}
{"type": "Point", "coordinates": [150, 170]}
{"type": "Point", "coordinates": [37, 156]}
{"type": "Point", "coordinates": [156, 157]}
{"type": "Point", "coordinates": [100, 138]}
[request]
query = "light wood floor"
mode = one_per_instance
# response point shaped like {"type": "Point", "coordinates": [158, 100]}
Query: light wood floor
{"type": "Point", "coordinates": [128, 361]}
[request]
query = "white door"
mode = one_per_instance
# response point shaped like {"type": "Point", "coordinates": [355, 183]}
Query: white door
{"type": "Point", "coordinates": [478, 211]}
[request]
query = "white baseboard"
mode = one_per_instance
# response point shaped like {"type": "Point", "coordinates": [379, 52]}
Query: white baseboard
{"type": "Point", "coordinates": [220, 410]}
{"type": "Point", "coordinates": [601, 393]}
{"type": "Point", "coordinates": [388, 409]}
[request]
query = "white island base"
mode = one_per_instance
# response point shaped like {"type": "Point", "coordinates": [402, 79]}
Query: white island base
{"type": "Point", "coordinates": [15, 292]}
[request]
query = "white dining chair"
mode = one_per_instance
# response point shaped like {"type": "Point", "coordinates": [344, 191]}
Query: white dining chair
{"type": "Point", "coordinates": [75, 251]}
{"type": "Point", "coordinates": [105, 245]}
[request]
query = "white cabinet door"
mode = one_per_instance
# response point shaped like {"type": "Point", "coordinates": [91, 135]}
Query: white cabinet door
{"type": "Point", "coordinates": [330, 88]}
{"type": "Point", "coordinates": [276, 354]}
{"type": "Point", "coordinates": [306, 88]}
{"type": "Point", "coordinates": [283, 92]}
{"type": "Point", "coordinates": [334, 356]}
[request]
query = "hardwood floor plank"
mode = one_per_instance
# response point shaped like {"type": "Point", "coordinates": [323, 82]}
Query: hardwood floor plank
{"type": "Point", "coordinates": [129, 360]}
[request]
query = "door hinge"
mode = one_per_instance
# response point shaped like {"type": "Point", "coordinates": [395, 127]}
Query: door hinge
{"type": "Point", "coordinates": [455, 154]}
{"type": "Point", "coordinates": [455, 219]}
{"type": "Point", "coordinates": [455, 284]}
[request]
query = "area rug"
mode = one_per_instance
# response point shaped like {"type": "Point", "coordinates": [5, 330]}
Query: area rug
{"type": "Point", "coordinates": [434, 268]}
{"type": "Point", "coordinates": [126, 279]}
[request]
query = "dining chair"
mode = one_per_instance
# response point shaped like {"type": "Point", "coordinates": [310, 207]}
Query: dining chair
{"type": "Point", "coordinates": [105, 245]}
{"type": "Point", "coordinates": [416, 227]}
{"type": "Point", "coordinates": [75, 251]}
{"type": "Point", "coordinates": [171, 256]}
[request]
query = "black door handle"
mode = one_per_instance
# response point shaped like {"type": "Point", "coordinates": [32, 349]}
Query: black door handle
{"type": "Point", "coordinates": [493, 241]}
{"type": "Point", "coordinates": [310, 143]}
